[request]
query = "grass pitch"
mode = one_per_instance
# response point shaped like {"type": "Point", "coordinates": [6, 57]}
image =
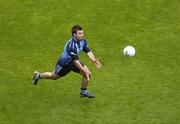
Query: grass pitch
{"type": "Point", "coordinates": [139, 90]}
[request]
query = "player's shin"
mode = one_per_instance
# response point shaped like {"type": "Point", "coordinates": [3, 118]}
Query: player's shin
{"type": "Point", "coordinates": [84, 83]}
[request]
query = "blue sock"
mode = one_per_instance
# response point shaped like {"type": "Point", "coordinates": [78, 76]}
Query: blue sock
{"type": "Point", "coordinates": [39, 76]}
{"type": "Point", "coordinates": [83, 90]}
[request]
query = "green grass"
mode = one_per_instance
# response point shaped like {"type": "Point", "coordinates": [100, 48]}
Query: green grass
{"type": "Point", "coordinates": [144, 89]}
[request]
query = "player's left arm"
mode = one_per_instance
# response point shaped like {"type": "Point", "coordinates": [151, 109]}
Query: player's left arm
{"type": "Point", "coordinates": [91, 56]}
{"type": "Point", "coordinates": [96, 61]}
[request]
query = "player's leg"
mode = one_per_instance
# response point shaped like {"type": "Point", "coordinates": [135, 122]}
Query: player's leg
{"type": "Point", "coordinates": [44, 75]}
{"type": "Point", "coordinates": [85, 81]}
{"type": "Point", "coordinates": [84, 84]}
{"type": "Point", "coordinates": [49, 75]}
{"type": "Point", "coordinates": [56, 74]}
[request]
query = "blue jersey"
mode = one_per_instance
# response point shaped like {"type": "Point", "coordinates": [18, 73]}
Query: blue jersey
{"type": "Point", "coordinates": [71, 51]}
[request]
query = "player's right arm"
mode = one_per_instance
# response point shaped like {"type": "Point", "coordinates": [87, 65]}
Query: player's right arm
{"type": "Point", "coordinates": [84, 71]}
{"type": "Point", "coordinates": [72, 51]}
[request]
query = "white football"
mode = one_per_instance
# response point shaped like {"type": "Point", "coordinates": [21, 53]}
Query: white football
{"type": "Point", "coordinates": [129, 51]}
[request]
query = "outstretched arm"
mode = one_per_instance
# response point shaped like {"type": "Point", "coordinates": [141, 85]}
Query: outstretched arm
{"type": "Point", "coordinates": [94, 60]}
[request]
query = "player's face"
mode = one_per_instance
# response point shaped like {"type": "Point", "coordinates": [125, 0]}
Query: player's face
{"type": "Point", "coordinates": [79, 35]}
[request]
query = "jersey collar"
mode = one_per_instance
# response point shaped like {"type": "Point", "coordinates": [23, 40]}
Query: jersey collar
{"type": "Point", "coordinates": [74, 38]}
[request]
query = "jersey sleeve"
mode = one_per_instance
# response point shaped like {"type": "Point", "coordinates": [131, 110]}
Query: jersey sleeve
{"type": "Point", "coordinates": [72, 51]}
{"type": "Point", "coordinates": [86, 48]}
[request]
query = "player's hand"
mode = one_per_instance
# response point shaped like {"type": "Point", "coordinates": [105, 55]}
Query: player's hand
{"type": "Point", "coordinates": [86, 73]}
{"type": "Point", "coordinates": [97, 64]}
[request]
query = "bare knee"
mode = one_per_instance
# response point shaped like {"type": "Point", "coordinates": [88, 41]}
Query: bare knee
{"type": "Point", "coordinates": [55, 76]}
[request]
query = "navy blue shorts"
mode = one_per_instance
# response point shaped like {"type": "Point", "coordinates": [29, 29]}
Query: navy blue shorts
{"type": "Point", "coordinates": [63, 70]}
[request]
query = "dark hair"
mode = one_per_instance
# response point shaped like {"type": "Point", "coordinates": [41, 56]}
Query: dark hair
{"type": "Point", "coordinates": [75, 28]}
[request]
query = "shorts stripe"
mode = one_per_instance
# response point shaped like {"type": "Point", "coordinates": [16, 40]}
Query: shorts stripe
{"type": "Point", "coordinates": [58, 69]}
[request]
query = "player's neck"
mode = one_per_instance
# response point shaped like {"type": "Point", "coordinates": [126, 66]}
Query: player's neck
{"type": "Point", "coordinates": [77, 40]}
